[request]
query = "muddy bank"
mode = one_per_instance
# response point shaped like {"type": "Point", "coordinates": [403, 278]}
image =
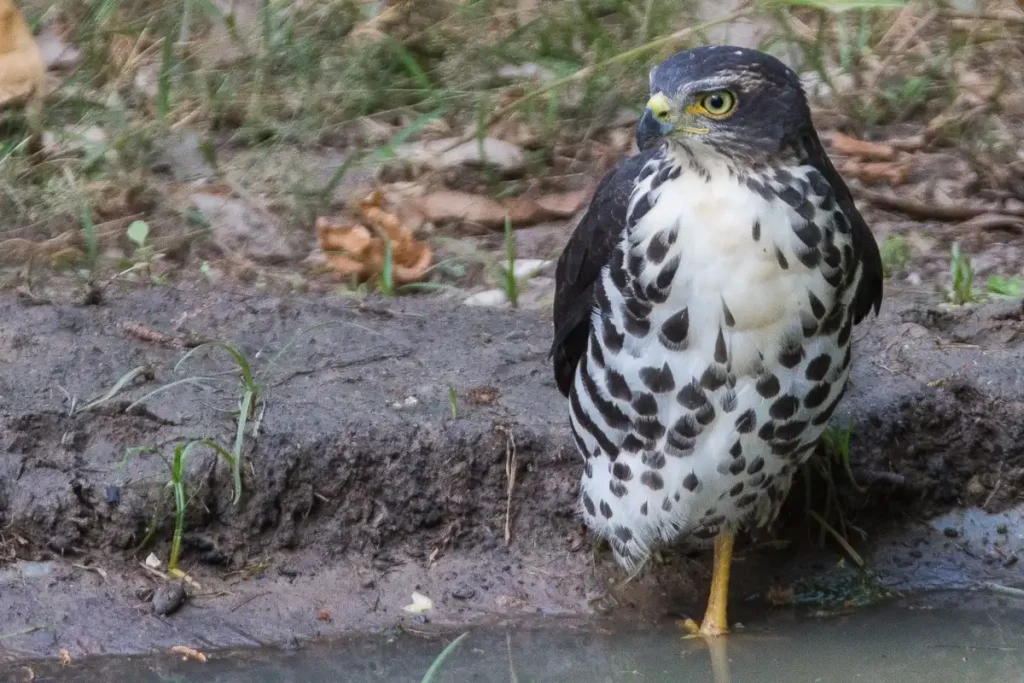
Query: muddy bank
{"type": "Point", "coordinates": [362, 485]}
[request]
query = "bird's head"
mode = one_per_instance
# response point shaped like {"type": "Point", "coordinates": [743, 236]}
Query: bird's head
{"type": "Point", "coordinates": [741, 102]}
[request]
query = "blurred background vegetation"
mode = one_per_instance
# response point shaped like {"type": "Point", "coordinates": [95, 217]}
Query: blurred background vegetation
{"type": "Point", "coordinates": [204, 138]}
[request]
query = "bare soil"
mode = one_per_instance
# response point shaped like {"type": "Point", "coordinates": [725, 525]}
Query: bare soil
{"type": "Point", "coordinates": [362, 486]}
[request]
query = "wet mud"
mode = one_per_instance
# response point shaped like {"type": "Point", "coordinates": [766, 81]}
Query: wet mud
{"type": "Point", "coordinates": [367, 481]}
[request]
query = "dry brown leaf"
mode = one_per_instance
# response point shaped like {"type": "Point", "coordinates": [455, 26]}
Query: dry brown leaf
{"type": "Point", "coordinates": [877, 172]}
{"type": "Point", "coordinates": [65, 658]}
{"type": "Point", "coordinates": [863, 149]}
{"type": "Point", "coordinates": [22, 69]}
{"type": "Point", "coordinates": [447, 206]}
{"type": "Point", "coordinates": [355, 249]}
{"type": "Point", "coordinates": [324, 616]}
{"type": "Point", "coordinates": [450, 206]}
{"type": "Point", "coordinates": [483, 396]}
{"type": "Point", "coordinates": [188, 653]}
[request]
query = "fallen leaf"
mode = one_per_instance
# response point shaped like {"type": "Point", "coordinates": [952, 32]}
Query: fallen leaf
{"type": "Point", "coordinates": [22, 69]}
{"type": "Point", "coordinates": [99, 570]}
{"type": "Point", "coordinates": [448, 206]}
{"type": "Point", "coordinates": [324, 616]}
{"type": "Point", "coordinates": [483, 396]}
{"type": "Point", "coordinates": [354, 249]}
{"type": "Point", "coordinates": [188, 653]}
{"type": "Point", "coordinates": [420, 604]}
{"type": "Point", "coordinates": [863, 149]}
{"type": "Point", "coordinates": [65, 658]}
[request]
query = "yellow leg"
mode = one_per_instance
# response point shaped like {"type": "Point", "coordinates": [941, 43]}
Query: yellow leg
{"type": "Point", "coordinates": [715, 622]}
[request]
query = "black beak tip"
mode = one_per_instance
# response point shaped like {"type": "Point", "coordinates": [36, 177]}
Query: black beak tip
{"type": "Point", "coordinates": [648, 130]}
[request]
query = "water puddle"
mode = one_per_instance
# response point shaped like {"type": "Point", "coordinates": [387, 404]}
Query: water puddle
{"type": "Point", "coordinates": [977, 641]}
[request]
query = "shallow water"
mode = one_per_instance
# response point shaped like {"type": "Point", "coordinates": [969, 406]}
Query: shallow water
{"type": "Point", "coordinates": [972, 641]}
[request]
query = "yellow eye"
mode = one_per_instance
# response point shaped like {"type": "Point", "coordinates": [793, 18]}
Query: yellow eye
{"type": "Point", "coordinates": [718, 104]}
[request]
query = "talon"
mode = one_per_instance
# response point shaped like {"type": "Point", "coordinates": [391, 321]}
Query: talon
{"type": "Point", "coordinates": [691, 627]}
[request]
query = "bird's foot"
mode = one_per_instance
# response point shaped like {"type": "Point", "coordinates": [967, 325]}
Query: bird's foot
{"type": "Point", "coordinates": [710, 628]}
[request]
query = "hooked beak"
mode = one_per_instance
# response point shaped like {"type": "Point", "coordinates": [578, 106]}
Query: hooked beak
{"type": "Point", "coordinates": [655, 123]}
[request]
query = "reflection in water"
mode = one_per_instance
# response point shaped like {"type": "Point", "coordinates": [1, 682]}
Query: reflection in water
{"type": "Point", "coordinates": [883, 645]}
{"type": "Point", "coordinates": [718, 648]}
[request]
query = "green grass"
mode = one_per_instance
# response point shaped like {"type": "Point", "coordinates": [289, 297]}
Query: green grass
{"type": "Point", "coordinates": [1005, 286]}
{"type": "Point", "coordinates": [178, 483]}
{"type": "Point", "coordinates": [511, 284]}
{"type": "Point", "coordinates": [961, 277]}
{"type": "Point", "coordinates": [439, 661]}
{"type": "Point", "coordinates": [301, 80]}
{"type": "Point", "coordinates": [823, 474]}
{"type": "Point", "coordinates": [895, 251]}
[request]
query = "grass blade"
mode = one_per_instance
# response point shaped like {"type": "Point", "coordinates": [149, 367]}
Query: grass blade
{"type": "Point", "coordinates": [236, 465]}
{"type": "Point", "coordinates": [118, 386]}
{"type": "Point", "coordinates": [445, 653]}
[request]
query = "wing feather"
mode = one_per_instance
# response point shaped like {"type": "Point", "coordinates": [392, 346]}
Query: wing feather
{"type": "Point", "coordinates": [865, 248]}
{"type": "Point", "coordinates": [580, 264]}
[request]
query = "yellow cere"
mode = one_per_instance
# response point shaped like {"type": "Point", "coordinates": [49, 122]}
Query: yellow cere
{"type": "Point", "coordinates": [659, 106]}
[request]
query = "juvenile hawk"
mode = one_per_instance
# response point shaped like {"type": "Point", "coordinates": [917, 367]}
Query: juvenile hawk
{"type": "Point", "coordinates": [703, 310]}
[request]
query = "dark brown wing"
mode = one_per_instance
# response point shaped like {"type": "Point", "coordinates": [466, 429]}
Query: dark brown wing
{"type": "Point", "coordinates": [865, 248]}
{"type": "Point", "coordinates": [579, 266]}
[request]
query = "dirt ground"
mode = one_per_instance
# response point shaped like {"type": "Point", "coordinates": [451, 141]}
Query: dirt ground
{"type": "Point", "coordinates": [364, 483]}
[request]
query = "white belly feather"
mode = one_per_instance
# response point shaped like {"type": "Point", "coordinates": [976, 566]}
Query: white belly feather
{"type": "Point", "coordinates": [721, 268]}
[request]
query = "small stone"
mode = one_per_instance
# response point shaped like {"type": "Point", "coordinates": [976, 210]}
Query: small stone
{"type": "Point", "coordinates": [491, 152]}
{"type": "Point", "coordinates": [463, 593]}
{"type": "Point", "coordinates": [1002, 529]}
{"type": "Point", "coordinates": [168, 598]}
{"type": "Point", "coordinates": [975, 489]}
{"type": "Point", "coordinates": [242, 230]}
{"type": "Point", "coordinates": [950, 532]}
{"type": "Point", "coordinates": [494, 298]}
{"type": "Point", "coordinates": [527, 267]}
{"type": "Point", "coordinates": [369, 583]}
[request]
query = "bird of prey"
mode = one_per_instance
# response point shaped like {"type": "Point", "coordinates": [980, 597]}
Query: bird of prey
{"type": "Point", "coordinates": [703, 311]}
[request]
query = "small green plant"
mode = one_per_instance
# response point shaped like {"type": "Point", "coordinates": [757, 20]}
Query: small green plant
{"type": "Point", "coordinates": [145, 254]}
{"type": "Point", "coordinates": [178, 484]}
{"type": "Point", "coordinates": [820, 473]}
{"type": "Point", "coordinates": [250, 405]}
{"type": "Point", "coordinates": [452, 400]}
{"type": "Point", "coordinates": [895, 254]}
{"type": "Point", "coordinates": [1005, 286]}
{"type": "Point", "coordinates": [511, 284]}
{"type": "Point", "coordinates": [962, 275]}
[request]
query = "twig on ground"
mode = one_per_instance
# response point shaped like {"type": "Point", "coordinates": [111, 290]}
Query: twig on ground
{"type": "Point", "coordinates": [510, 476]}
{"type": "Point", "coordinates": [995, 221]}
{"type": "Point", "coordinates": [923, 211]}
{"type": "Point", "coordinates": [995, 489]}
{"type": "Point", "coordinates": [1008, 17]}
{"type": "Point", "coordinates": [854, 555]}
{"type": "Point", "coordinates": [1003, 590]}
